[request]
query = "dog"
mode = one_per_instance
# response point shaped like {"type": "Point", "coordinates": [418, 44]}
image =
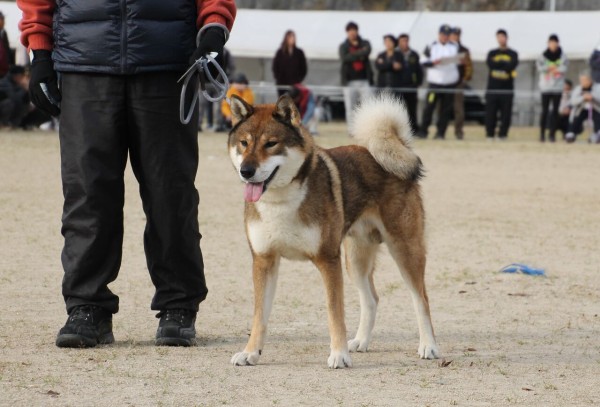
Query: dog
{"type": "Point", "coordinates": [303, 202]}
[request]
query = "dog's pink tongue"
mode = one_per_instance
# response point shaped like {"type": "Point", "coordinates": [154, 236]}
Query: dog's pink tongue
{"type": "Point", "coordinates": [253, 191]}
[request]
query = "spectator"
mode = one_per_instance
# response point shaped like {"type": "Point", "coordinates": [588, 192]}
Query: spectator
{"type": "Point", "coordinates": [552, 66]}
{"type": "Point", "coordinates": [389, 65]}
{"type": "Point", "coordinates": [585, 105]}
{"type": "Point", "coordinates": [14, 99]}
{"type": "Point", "coordinates": [357, 74]}
{"type": "Point", "coordinates": [595, 65]}
{"type": "Point", "coordinates": [239, 87]}
{"type": "Point", "coordinates": [6, 56]}
{"type": "Point", "coordinates": [502, 63]}
{"type": "Point", "coordinates": [307, 104]}
{"type": "Point", "coordinates": [564, 109]}
{"type": "Point", "coordinates": [289, 64]}
{"type": "Point", "coordinates": [442, 77]}
{"type": "Point", "coordinates": [465, 73]}
{"type": "Point", "coordinates": [412, 78]}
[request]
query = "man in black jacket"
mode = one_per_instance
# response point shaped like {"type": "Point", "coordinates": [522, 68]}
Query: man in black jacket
{"type": "Point", "coordinates": [502, 63]}
{"type": "Point", "coordinates": [411, 79]}
{"type": "Point", "coordinates": [119, 63]}
{"type": "Point", "coordinates": [356, 75]}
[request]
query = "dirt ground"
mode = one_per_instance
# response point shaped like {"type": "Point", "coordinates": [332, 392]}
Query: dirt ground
{"type": "Point", "coordinates": [507, 339]}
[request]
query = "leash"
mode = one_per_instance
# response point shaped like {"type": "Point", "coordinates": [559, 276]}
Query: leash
{"type": "Point", "coordinates": [200, 68]}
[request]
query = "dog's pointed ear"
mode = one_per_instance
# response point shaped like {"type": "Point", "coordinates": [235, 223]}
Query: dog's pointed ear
{"type": "Point", "coordinates": [240, 110]}
{"type": "Point", "coordinates": [286, 109]}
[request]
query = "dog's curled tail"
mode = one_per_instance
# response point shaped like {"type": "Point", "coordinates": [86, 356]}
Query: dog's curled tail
{"type": "Point", "coordinates": [381, 124]}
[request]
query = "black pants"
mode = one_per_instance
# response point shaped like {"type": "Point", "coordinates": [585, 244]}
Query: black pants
{"type": "Point", "coordinates": [445, 97]}
{"type": "Point", "coordinates": [549, 117]}
{"type": "Point", "coordinates": [410, 101]}
{"type": "Point", "coordinates": [494, 104]}
{"type": "Point", "coordinates": [104, 118]}
{"type": "Point", "coordinates": [576, 125]}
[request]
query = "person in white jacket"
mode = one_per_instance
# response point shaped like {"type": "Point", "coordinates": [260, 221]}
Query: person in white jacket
{"type": "Point", "coordinates": [585, 105]}
{"type": "Point", "coordinates": [552, 68]}
{"type": "Point", "coordinates": [441, 59]}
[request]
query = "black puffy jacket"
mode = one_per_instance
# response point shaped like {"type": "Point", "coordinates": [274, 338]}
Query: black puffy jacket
{"type": "Point", "coordinates": [124, 36]}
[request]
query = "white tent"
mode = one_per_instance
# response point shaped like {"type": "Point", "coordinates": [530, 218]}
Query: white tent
{"type": "Point", "coordinates": [258, 33]}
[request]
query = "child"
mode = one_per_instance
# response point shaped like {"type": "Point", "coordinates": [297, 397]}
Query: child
{"type": "Point", "coordinates": [564, 108]}
{"type": "Point", "coordinates": [307, 104]}
{"type": "Point", "coordinates": [585, 103]}
{"type": "Point", "coordinates": [239, 87]}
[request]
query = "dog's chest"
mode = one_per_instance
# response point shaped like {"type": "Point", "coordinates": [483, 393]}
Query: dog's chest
{"type": "Point", "coordinates": [281, 230]}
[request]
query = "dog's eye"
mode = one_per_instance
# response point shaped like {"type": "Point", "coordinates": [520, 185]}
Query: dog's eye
{"type": "Point", "coordinates": [270, 144]}
{"type": "Point", "coordinates": [244, 143]}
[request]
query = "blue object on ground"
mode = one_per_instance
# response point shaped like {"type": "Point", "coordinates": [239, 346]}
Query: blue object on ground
{"type": "Point", "coordinates": [523, 269]}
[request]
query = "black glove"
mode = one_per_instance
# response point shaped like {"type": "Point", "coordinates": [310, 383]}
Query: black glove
{"type": "Point", "coordinates": [212, 40]}
{"type": "Point", "coordinates": [43, 85]}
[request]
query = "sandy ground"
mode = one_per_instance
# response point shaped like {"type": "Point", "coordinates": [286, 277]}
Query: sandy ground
{"type": "Point", "coordinates": [506, 339]}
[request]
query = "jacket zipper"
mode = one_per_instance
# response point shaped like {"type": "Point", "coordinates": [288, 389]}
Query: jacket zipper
{"type": "Point", "coordinates": [123, 36]}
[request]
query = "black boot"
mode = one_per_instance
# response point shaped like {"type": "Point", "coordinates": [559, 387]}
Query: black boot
{"type": "Point", "coordinates": [86, 327]}
{"type": "Point", "coordinates": [176, 328]}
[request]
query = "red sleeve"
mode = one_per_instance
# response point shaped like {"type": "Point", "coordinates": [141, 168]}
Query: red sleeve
{"type": "Point", "coordinates": [216, 11]}
{"type": "Point", "coordinates": [36, 24]}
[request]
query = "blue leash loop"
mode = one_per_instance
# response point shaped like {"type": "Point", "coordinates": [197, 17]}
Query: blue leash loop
{"type": "Point", "coordinates": [200, 68]}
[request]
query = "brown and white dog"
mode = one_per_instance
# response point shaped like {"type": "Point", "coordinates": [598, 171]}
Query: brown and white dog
{"type": "Point", "coordinates": [303, 202]}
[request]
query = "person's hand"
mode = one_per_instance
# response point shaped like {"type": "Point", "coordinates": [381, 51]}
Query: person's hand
{"type": "Point", "coordinates": [397, 66]}
{"type": "Point", "coordinates": [437, 62]}
{"type": "Point", "coordinates": [380, 60]}
{"type": "Point", "coordinates": [212, 40]}
{"type": "Point", "coordinates": [43, 85]}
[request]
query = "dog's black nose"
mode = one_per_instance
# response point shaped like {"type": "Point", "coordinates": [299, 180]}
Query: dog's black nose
{"type": "Point", "coordinates": [247, 171]}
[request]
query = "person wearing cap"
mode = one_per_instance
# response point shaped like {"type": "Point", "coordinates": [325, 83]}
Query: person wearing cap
{"type": "Point", "coordinates": [239, 87]}
{"type": "Point", "coordinates": [356, 72]}
{"type": "Point", "coordinates": [411, 78]}
{"type": "Point", "coordinates": [552, 68]}
{"type": "Point", "coordinates": [442, 78]}
{"type": "Point", "coordinates": [465, 72]}
{"type": "Point", "coordinates": [502, 63]}
{"type": "Point", "coordinates": [389, 65]}
{"type": "Point", "coordinates": [119, 63]}
{"type": "Point", "coordinates": [14, 100]}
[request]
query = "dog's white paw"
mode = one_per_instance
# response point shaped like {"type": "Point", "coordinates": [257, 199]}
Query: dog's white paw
{"type": "Point", "coordinates": [358, 345]}
{"type": "Point", "coordinates": [339, 360]}
{"type": "Point", "coordinates": [429, 351]}
{"type": "Point", "coordinates": [245, 359]}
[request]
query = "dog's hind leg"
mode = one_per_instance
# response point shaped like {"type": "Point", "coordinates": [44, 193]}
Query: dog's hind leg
{"type": "Point", "coordinates": [360, 263]}
{"type": "Point", "coordinates": [331, 271]}
{"type": "Point", "coordinates": [407, 246]}
{"type": "Point", "coordinates": [264, 274]}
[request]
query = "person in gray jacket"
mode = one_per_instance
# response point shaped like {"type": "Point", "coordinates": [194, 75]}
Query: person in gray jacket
{"type": "Point", "coordinates": [552, 67]}
{"type": "Point", "coordinates": [585, 105]}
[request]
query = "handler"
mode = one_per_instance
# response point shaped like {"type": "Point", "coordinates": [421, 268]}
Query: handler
{"type": "Point", "coordinates": [117, 94]}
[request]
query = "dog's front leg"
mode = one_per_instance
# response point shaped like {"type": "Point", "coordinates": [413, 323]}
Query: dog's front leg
{"type": "Point", "coordinates": [331, 271]}
{"type": "Point", "coordinates": [264, 275]}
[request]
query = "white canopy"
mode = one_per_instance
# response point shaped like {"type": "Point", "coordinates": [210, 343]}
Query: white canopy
{"type": "Point", "coordinates": [258, 33]}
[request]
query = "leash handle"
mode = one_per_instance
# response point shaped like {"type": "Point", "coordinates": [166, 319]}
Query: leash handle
{"type": "Point", "coordinates": [200, 67]}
